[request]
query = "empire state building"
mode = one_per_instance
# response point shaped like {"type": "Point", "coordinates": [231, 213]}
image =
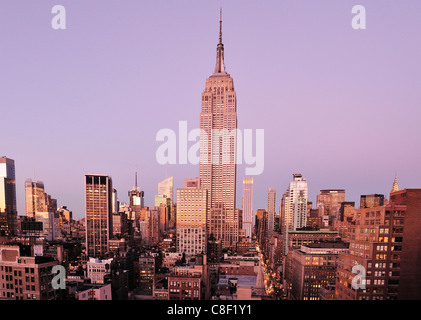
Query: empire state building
{"type": "Point", "coordinates": [217, 161]}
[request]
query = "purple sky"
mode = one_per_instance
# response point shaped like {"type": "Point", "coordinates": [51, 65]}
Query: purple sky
{"type": "Point", "coordinates": [340, 106]}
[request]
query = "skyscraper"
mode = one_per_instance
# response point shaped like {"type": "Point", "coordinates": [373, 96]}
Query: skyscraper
{"type": "Point", "coordinates": [165, 188]}
{"type": "Point", "coordinates": [43, 208]}
{"type": "Point", "coordinates": [271, 211]}
{"type": "Point", "coordinates": [98, 204]}
{"type": "Point", "coordinates": [329, 203]}
{"type": "Point", "coordinates": [37, 200]}
{"type": "Point", "coordinates": [136, 203]}
{"type": "Point", "coordinates": [217, 165]}
{"type": "Point", "coordinates": [8, 209]}
{"type": "Point", "coordinates": [371, 200]}
{"type": "Point", "coordinates": [248, 216]}
{"type": "Point", "coordinates": [295, 207]}
{"type": "Point", "coordinates": [395, 186]}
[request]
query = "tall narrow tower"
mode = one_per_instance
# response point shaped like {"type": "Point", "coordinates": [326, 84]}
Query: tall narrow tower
{"type": "Point", "coordinates": [248, 217]}
{"type": "Point", "coordinates": [98, 202]}
{"type": "Point", "coordinates": [217, 167]}
{"type": "Point", "coordinates": [8, 209]}
{"type": "Point", "coordinates": [395, 186]}
{"type": "Point", "coordinates": [271, 211]}
{"type": "Point", "coordinates": [295, 215]}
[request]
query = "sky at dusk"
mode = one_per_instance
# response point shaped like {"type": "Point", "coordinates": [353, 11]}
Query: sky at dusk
{"type": "Point", "coordinates": [338, 105]}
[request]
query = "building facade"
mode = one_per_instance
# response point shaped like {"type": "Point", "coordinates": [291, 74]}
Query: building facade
{"type": "Point", "coordinates": [98, 206]}
{"type": "Point", "coordinates": [8, 209]}
{"type": "Point", "coordinates": [192, 206]}
{"type": "Point", "coordinates": [247, 207]}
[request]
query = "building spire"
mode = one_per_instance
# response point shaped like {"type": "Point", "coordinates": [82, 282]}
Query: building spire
{"type": "Point", "coordinates": [395, 186]}
{"type": "Point", "coordinates": [220, 67]}
{"type": "Point", "coordinates": [135, 180]}
{"type": "Point", "coordinates": [220, 25]}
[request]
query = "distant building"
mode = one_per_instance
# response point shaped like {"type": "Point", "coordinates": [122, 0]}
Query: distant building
{"type": "Point", "coordinates": [247, 207]}
{"type": "Point", "coordinates": [51, 225]}
{"type": "Point", "coordinates": [271, 209]}
{"type": "Point", "coordinates": [347, 210]}
{"type": "Point", "coordinates": [43, 208]}
{"type": "Point", "coordinates": [295, 206]}
{"type": "Point", "coordinates": [37, 200]}
{"type": "Point", "coordinates": [314, 220]}
{"type": "Point", "coordinates": [329, 203]}
{"type": "Point", "coordinates": [98, 206]}
{"type": "Point", "coordinates": [8, 209]}
{"type": "Point", "coordinates": [371, 200]}
{"type": "Point", "coordinates": [166, 188]}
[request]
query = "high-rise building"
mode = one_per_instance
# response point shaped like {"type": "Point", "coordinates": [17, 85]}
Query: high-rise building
{"type": "Point", "coordinates": [329, 204]}
{"type": "Point", "coordinates": [217, 161]}
{"type": "Point", "coordinates": [165, 200]}
{"type": "Point", "coordinates": [371, 200]}
{"type": "Point", "coordinates": [150, 226]}
{"type": "Point", "coordinates": [295, 215]}
{"type": "Point", "coordinates": [37, 200]}
{"type": "Point", "coordinates": [261, 227]}
{"type": "Point", "coordinates": [98, 206]}
{"type": "Point", "coordinates": [271, 211]}
{"type": "Point", "coordinates": [43, 208]}
{"type": "Point", "coordinates": [8, 209]}
{"type": "Point", "coordinates": [248, 216]}
{"type": "Point", "coordinates": [134, 208]}
{"type": "Point", "coordinates": [165, 188]}
{"type": "Point", "coordinates": [347, 210]}
{"type": "Point", "coordinates": [192, 205]}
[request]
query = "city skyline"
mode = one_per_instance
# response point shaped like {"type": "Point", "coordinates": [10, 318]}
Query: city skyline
{"type": "Point", "coordinates": [320, 126]}
{"type": "Point", "coordinates": [349, 119]}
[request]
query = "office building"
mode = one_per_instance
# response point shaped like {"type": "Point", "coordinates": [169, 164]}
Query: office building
{"type": "Point", "coordinates": [295, 207]}
{"type": "Point", "coordinates": [192, 205]}
{"type": "Point", "coordinates": [329, 203]}
{"type": "Point", "coordinates": [314, 267]}
{"type": "Point", "coordinates": [25, 277]}
{"type": "Point", "coordinates": [271, 209]}
{"type": "Point", "coordinates": [247, 208]}
{"type": "Point", "coordinates": [98, 206]}
{"type": "Point", "coordinates": [8, 209]}
{"type": "Point", "coordinates": [371, 200]}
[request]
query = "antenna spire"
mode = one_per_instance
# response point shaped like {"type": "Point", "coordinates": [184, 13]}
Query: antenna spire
{"type": "Point", "coordinates": [220, 25]}
{"type": "Point", "coordinates": [135, 179]}
{"type": "Point", "coordinates": [220, 67]}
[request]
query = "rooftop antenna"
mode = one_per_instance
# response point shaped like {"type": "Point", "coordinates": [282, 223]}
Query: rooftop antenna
{"type": "Point", "coordinates": [220, 25]}
{"type": "Point", "coordinates": [135, 178]}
